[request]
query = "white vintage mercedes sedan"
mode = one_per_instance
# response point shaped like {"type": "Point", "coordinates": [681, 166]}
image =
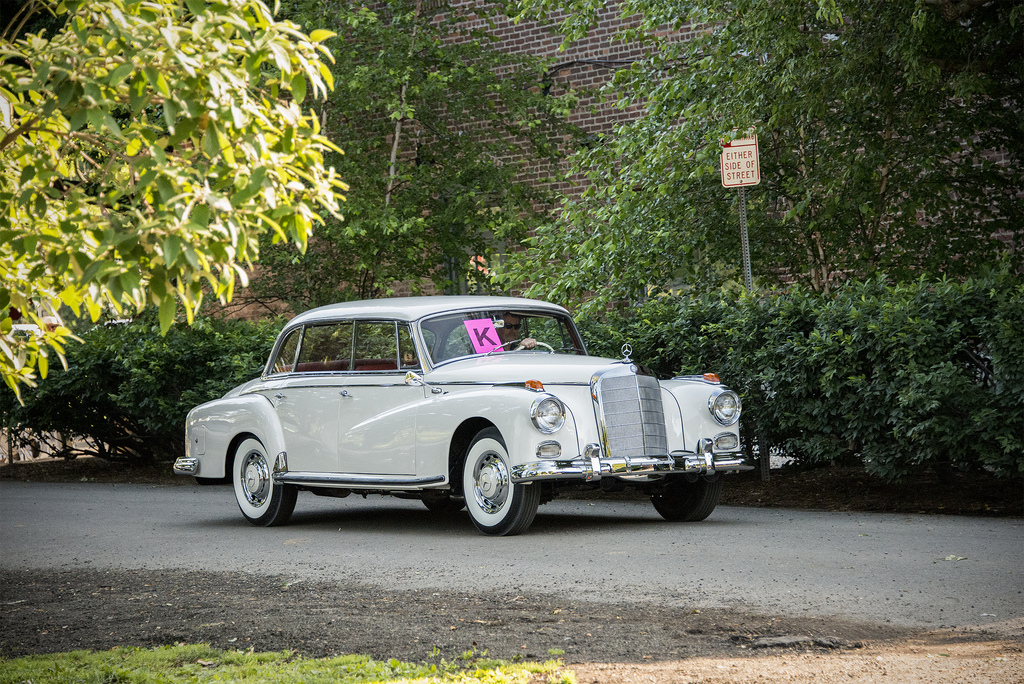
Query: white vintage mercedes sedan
{"type": "Point", "coordinates": [485, 403]}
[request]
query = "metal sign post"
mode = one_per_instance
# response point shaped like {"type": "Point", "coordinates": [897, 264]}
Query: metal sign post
{"type": "Point", "coordinates": [741, 167]}
{"type": "Point", "coordinates": [748, 278]}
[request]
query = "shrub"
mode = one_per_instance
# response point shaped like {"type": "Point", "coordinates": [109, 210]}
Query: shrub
{"type": "Point", "coordinates": [127, 389]}
{"type": "Point", "coordinates": [926, 374]}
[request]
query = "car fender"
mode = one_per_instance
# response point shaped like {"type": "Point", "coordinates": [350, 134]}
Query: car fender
{"type": "Point", "coordinates": [212, 429]}
{"type": "Point", "coordinates": [505, 407]}
{"type": "Point", "coordinates": [698, 423]}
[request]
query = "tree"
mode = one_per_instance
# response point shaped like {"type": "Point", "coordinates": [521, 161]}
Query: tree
{"type": "Point", "coordinates": [890, 138]}
{"type": "Point", "coordinates": [447, 141]}
{"type": "Point", "coordinates": [150, 145]}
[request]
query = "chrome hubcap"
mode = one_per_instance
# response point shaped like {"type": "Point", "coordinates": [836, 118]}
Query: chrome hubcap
{"type": "Point", "coordinates": [492, 483]}
{"type": "Point", "coordinates": [255, 478]}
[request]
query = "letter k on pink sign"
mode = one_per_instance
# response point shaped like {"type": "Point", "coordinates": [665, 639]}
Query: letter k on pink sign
{"type": "Point", "coordinates": [483, 335]}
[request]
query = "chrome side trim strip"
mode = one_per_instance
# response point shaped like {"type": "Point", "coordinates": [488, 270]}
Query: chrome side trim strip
{"type": "Point", "coordinates": [357, 481]}
{"type": "Point", "coordinates": [471, 383]}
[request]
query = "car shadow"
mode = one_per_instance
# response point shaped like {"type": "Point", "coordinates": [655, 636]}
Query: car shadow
{"type": "Point", "coordinates": [405, 520]}
{"type": "Point", "coordinates": [398, 517]}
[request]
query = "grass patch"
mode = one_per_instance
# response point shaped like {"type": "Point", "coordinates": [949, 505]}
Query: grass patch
{"type": "Point", "coordinates": [199, 663]}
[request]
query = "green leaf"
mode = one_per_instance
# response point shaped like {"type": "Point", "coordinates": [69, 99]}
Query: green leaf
{"type": "Point", "coordinates": [172, 247]}
{"type": "Point", "coordinates": [120, 73]}
{"type": "Point", "coordinates": [298, 87]}
{"type": "Point", "coordinates": [320, 35]}
{"type": "Point", "coordinates": [78, 119]}
{"type": "Point", "coordinates": [253, 187]}
{"type": "Point", "coordinates": [138, 96]}
{"type": "Point", "coordinates": [170, 115]}
{"type": "Point", "coordinates": [201, 215]}
{"type": "Point", "coordinates": [168, 304]}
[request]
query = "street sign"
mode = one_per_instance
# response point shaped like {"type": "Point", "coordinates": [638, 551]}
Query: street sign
{"type": "Point", "coordinates": [740, 163]}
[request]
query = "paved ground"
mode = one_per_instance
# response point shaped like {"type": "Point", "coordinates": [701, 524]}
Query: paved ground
{"type": "Point", "coordinates": [919, 571]}
{"type": "Point", "coordinates": [749, 595]}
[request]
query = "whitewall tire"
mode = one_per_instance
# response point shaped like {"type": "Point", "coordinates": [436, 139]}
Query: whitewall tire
{"type": "Point", "coordinates": [261, 501]}
{"type": "Point", "coordinates": [497, 506]}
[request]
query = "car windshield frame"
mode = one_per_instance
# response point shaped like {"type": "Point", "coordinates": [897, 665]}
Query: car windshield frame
{"type": "Point", "coordinates": [447, 337]}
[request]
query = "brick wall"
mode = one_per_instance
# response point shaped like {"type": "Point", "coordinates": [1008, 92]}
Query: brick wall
{"type": "Point", "coordinates": [585, 66]}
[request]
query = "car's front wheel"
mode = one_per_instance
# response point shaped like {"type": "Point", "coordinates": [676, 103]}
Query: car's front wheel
{"type": "Point", "coordinates": [683, 501]}
{"type": "Point", "coordinates": [497, 505]}
{"type": "Point", "coordinates": [261, 501]}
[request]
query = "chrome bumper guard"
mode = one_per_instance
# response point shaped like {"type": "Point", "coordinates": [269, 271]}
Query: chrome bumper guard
{"type": "Point", "coordinates": [186, 466]}
{"type": "Point", "coordinates": [592, 466]}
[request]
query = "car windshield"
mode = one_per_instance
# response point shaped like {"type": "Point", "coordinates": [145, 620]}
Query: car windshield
{"type": "Point", "coordinates": [456, 335]}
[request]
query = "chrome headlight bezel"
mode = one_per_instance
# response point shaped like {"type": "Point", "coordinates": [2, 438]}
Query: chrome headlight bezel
{"type": "Point", "coordinates": [548, 414]}
{"type": "Point", "coordinates": [725, 407]}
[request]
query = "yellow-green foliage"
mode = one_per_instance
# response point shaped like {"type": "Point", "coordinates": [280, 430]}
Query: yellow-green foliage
{"type": "Point", "coordinates": [199, 664]}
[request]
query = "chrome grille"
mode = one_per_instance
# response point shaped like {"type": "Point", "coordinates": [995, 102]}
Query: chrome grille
{"type": "Point", "coordinates": [631, 413]}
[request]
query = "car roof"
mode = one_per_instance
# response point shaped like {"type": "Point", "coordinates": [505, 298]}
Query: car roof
{"type": "Point", "coordinates": [415, 308]}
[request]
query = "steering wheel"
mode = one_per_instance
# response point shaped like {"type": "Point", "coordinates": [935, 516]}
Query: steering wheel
{"type": "Point", "coordinates": [551, 349]}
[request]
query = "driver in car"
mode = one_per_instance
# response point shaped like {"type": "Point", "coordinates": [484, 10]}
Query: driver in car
{"type": "Point", "coordinates": [509, 334]}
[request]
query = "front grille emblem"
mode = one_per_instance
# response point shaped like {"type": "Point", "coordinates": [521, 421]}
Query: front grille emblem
{"type": "Point", "coordinates": [627, 349]}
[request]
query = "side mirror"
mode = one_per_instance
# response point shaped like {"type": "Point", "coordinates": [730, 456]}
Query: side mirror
{"type": "Point", "coordinates": [414, 380]}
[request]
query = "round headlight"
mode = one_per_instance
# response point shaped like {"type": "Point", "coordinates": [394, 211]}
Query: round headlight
{"type": "Point", "coordinates": [548, 414]}
{"type": "Point", "coordinates": [725, 407]}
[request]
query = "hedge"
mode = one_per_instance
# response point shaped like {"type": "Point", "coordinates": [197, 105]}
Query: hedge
{"type": "Point", "coordinates": [127, 389]}
{"type": "Point", "coordinates": [899, 378]}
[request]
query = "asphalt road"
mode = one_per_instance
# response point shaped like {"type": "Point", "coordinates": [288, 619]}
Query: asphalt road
{"type": "Point", "coordinates": [914, 571]}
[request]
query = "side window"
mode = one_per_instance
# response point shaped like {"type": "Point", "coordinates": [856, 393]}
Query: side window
{"type": "Point", "coordinates": [406, 348]}
{"type": "Point", "coordinates": [376, 347]}
{"type": "Point", "coordinates": [286, 356]}
{"type": "Point", "coordinates": [325, 348]}
{"type": "Point", "coordinates": [550, 331]}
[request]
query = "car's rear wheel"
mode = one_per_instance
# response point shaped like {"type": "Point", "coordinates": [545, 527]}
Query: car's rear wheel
{"type": "Point", "coordinates": [261, 501]}
{"type": "Point", "coordinates": [497, 506]}
{"type": "Point", "coordinates": [683, 501]}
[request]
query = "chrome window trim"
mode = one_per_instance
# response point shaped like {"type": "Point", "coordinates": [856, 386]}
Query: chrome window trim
{"type": "Point", "coordinates": [268, 367]}
{"type": "Point", "coordinates": [427, 360]}
{"type": "Point", "coordinates": [301, 327]}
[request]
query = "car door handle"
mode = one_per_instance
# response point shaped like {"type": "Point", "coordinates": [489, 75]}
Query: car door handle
{"type": "Point", "coordinates": [344, 393]}
{"type": "Point", "coordinates": [279, 396]}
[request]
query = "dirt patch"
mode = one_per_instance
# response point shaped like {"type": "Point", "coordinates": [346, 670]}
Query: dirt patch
{"type": "Point", "coordinates": [59, 611]}
{"type": "Point", "coordinates": [53, 611]}
{"type": "Point", "coordinates": [911, 662]}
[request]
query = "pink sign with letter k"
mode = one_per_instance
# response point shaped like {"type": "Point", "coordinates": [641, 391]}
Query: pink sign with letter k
{"type": "Point", "coordinates": [483, 335]}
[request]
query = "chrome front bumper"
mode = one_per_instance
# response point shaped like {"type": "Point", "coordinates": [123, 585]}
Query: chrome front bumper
{"type": "Point", "coordinates": [592, 466]}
